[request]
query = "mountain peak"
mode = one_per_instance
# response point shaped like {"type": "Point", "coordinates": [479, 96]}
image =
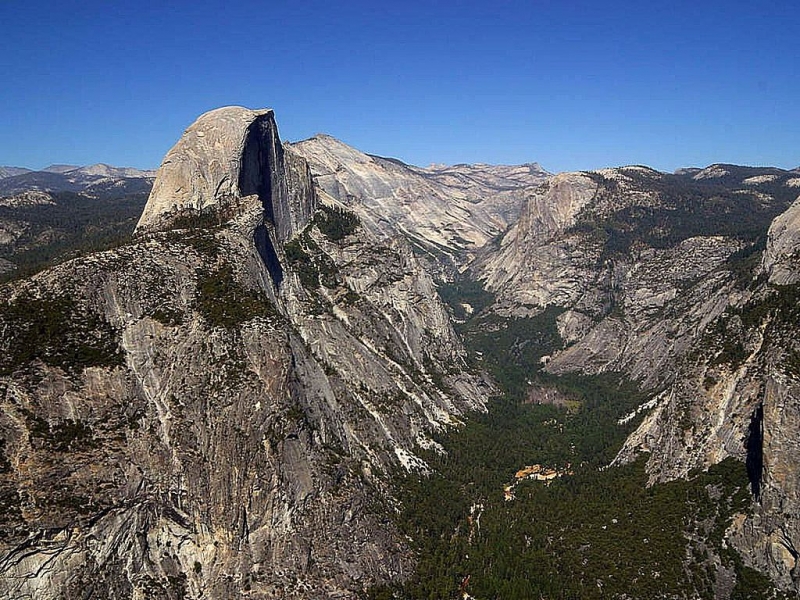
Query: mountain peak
{"type": "Point", "coordinates": [226, 155]}
{"type": "Point", "coordinates": [203, 167]}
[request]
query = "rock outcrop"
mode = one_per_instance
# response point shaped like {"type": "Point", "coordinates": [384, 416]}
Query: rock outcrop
{"type": "Point", "coordinates": [225, 156]}
{"type": "Point", "coordinates": [215, 409]}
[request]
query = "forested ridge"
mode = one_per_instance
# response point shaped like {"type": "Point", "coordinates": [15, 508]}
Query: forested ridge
{"type": "Point", "coordinates": [73, 224]}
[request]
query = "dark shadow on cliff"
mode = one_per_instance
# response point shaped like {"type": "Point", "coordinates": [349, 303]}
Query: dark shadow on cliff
{"type": "Point", "coordinates": [755, 451]}
{"type": "Point", "coordinates": [268, 255]}
{"type": "Point", "coordinates": [255, 177]}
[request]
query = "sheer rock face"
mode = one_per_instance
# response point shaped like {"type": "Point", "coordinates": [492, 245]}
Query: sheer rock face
{"type": "Point", "coordinates": [769, 540]}
{"type": "Point", "coordinates": [234, 397]}
{"type": "Point", "coordinates": [537, 249]}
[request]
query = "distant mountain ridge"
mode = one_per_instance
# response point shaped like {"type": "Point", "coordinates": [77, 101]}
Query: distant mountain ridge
{"type": "Point", "coordinates": [105, 170]}
{"type": "Point", "coordinates": [95, 169]}
{"type": "Point", "coordinates": [59, 168]}
{"type": "Point", "coordinates": [97, 179]}
{"type": "Point", "coordinates": [12, 171]}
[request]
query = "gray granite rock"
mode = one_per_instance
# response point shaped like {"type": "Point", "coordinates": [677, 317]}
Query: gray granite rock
{"type": "Point", "coordinates": [270, 378]}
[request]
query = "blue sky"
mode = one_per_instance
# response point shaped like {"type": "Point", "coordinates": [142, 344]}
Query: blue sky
{"type": "Point", "coordinates": [572, 85]}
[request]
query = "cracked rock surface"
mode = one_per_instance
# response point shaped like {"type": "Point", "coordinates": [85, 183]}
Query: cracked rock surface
{"type": "Point", "coordinates": [224, 399]}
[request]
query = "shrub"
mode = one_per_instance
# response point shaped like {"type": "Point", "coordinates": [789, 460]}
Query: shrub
{"type": "Point", "coordinates": [56, 331]}
{"type": "Point", "coordinates": [335, 223]}
{"type": "Point", "coordinates": [225, 302]}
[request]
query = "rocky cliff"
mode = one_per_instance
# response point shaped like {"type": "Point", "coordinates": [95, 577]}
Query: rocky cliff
{"type": "Point", "coordinates": [225, 156]}
{"type": "Point", "coordinates": [213, 410]}
{"type": "Point", "coordinates": [686, 284]}
{"type": "Point", "coordinates": [447, 212]}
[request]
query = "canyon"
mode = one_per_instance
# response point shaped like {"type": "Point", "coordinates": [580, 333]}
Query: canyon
{"type": "Point", "coordinates": [220, 405]}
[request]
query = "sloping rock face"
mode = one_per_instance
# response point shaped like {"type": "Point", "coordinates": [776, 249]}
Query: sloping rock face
{"type": "Point", "coordinates": [783, 247]}
{"type": "Point", "coordinates": [215, 409]}
{"type": "Point", "coordinates": [448, 213]}
{"type": "Point", "coordinates": [663, 278]}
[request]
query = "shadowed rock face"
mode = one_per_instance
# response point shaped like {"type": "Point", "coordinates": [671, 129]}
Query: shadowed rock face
{"type": "Point", "coordinates": [216, 408]}
{"type": "Point", "coordinates": [203, 167]}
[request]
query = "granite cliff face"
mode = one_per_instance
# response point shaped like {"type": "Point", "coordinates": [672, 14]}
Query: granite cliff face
{"type": "Point", "coordinates": [781, 255]}
{"type": "Point", "coordinates": [447, 212]}
{"type": "Point", "coordinates": [213, 409]}
{"type": "Point", "coordinates": [686, 284]}
{"type": "Point", "coordinates": [225, 156]}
